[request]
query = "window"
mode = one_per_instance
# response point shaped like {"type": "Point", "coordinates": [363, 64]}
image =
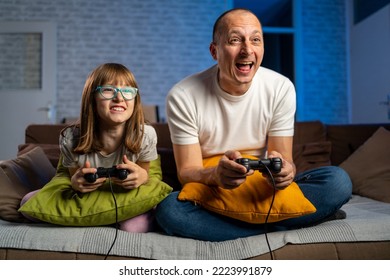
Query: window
{"type": "Point", "coordinates": [276, 17]}
{"type": "Point", "coordinates": [21, 60]}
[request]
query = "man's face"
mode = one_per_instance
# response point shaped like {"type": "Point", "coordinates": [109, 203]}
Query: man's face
{"type": "Point", "coordinates": [239, 51]}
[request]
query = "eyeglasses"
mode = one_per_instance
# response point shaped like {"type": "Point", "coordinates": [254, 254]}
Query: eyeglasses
{"type": "Point", "coordinates": [110, 92]}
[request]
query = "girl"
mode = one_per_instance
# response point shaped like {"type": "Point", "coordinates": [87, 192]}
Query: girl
{"type": "Point", "coordinates": [111, 132]}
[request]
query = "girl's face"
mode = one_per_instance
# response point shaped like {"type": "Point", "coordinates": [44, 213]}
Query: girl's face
{"type": "Point", "coordinates": [115, 111]}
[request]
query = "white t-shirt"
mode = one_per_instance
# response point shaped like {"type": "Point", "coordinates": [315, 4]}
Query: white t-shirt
{"type": "Point", "coordinates": [199, 111]}
{"type": "Point", "coordinates": [148, 151]}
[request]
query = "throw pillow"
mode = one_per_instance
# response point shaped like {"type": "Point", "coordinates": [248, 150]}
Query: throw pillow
{"type": "Point", "coordinates": [52, 151]}
{"type": "Point", "coordinates": [249, 202]}
{"type": "Point", "coordinates": [58, 203]}
{"type": "Point", "coordinates": [369, 167]}
{"type": "Point", "coordinates": [19, 176]}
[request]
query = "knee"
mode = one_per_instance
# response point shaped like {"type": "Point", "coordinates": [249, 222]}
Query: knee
{"type": "Point", "coordinates": [164, 207]}
{"type": "Point", "coordinates": [141, 223]}
{"type": "Point", "coordinates": [176, 217]}
{"type": "Point", "coordinates": [28, 196]}
{"type": "Point", "coordinates": [342, 183]}
{"type": "Point", "coordinates": [167, 213]}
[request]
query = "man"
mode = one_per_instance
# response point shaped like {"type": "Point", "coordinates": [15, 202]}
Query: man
{"type": "Point", "coordinates": [233, 108]}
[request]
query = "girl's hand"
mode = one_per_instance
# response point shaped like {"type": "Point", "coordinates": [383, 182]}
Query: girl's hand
{"type": "Point", "coordinates": [137, 175]}
{"type": "Point", "coordinates": [80, 184]}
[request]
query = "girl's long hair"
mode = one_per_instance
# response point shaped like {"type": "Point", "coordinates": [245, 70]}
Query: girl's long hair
{"type": "Point", "coordinates": [86, 132]}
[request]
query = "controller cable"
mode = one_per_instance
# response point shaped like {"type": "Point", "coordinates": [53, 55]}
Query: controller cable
{"type": "Point", "coordinates": [269, 210]}
{"type": "Point", "coordinates": [265, 223]}
{"type": "Point", "coordinates": [116, 218]}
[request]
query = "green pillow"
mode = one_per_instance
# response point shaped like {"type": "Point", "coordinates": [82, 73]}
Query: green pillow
{"type": "Point", "coordinates": [58, 203]}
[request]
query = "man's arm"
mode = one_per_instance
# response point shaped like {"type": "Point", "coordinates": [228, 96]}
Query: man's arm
{"type": "Point", "coordinates": [189, 164]}
{"type": "Point", "coordinates": [282, 147]}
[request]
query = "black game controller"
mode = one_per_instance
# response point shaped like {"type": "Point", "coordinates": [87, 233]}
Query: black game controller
{"type": "Point", "coordinates": [273, 164]}
{"type": "Point", "coordinates": [106, 172]}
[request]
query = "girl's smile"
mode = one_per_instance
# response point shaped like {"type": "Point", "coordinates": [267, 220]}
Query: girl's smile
{"type": "Point", "coordinates": [116, 110]}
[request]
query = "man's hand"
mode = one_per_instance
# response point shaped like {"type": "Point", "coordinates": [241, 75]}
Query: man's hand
{"type": "Point", "coordinates": [285, 177]}
{"type": "Point", "coordinates": [229, 174]}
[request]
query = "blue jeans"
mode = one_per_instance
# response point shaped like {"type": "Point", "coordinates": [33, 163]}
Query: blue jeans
{"type": "Point", "coordinates": [327, 188]}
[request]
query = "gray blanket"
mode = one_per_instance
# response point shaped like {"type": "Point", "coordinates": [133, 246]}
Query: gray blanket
{"type": "Point", "coordinates": [367, 220]}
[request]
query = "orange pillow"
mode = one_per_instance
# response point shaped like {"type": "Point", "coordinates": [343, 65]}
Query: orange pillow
{"type": "Point", "coordinates": [249, 202]}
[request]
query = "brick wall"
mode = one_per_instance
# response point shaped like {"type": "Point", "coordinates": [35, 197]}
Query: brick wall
{"type": "Point", "coordinates": [160, 41]}
{"type": "Point", "coordinates": [164, 41]}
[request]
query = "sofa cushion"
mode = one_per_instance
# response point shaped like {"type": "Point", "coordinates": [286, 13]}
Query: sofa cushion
{"type": "Point", "coordinates": [43, 133]}
{"type": "Point", "coordinates": [21, 175]}
{"type": "Point", "coordinates": [309, 132]}
{"type": "Point", "coordinates": [58, 203]}
{"type": "Point", "coordinates": [311, 155]}
{"type": "Point", "coordinates": [369, 167]}
{"type": "Point", "coordinates": [347, 138]}
{"type": "Point", "coordinates": [251, 201]}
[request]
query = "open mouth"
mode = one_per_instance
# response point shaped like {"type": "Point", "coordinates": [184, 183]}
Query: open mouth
{"type": "Point", "coordinates": [117, 109]}
{"type": "Point", "coordinates": [244, 66]}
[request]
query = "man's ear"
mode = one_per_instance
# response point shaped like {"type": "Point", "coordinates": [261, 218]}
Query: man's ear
{"type": "Point", "coordinates": [213, 50]}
